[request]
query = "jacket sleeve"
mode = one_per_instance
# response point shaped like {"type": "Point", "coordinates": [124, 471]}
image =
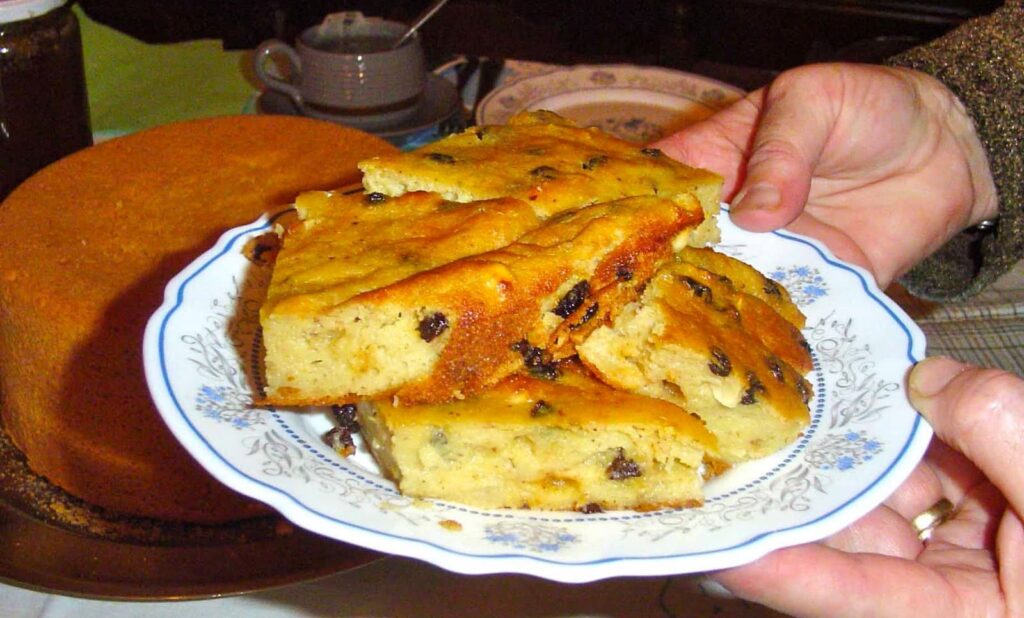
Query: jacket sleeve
{"type": "Point", "coordinates": [982, 62]}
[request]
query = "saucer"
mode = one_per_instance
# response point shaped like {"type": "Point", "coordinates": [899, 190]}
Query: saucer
{"type": "Point", "coordinates": [439, 113]}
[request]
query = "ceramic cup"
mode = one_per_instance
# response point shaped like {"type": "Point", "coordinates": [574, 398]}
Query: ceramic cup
{"type": "Point", "coordinates": [345, 67]}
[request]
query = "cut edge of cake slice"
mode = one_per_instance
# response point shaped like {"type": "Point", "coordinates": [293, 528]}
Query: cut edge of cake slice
{"type": "Point", "coordinates": [676, 345]}
{"type": "Point", "coordinates": [455, 329]}
{"type": "Point", "coordinates": [572, 443]}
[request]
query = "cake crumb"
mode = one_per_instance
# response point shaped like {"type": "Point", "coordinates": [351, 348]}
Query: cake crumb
{"type": "Point", "coordinates": [450, 525]}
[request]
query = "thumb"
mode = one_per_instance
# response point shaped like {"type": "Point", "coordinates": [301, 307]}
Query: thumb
{"type": "Point", "coordinates": [979, 412]}
{"type": "Point", "coordinates": [795, 122]}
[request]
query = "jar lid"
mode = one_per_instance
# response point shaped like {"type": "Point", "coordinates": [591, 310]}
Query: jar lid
{"type": "Point", "coordinates": [20, 10]}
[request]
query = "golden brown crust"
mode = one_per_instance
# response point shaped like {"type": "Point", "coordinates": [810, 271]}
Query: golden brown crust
{"type": "Point", "coordinates": [764, 322]}
{"type": "Point", "coordinates": [344, 245]}
{"type": "Point", "coordinates": [547, 161]}
{"type": "Point", "coordinates": [746, 279]}
{"type": "Point", "coordinates": [614, 284]}
{"type": "Point", "coordinates": [90, 243]}
{"type": "Point", "coordinates": [730, 348]}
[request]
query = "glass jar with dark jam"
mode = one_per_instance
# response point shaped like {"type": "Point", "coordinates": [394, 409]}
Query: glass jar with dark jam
{"type": "Point", "coordinates": [44, 112]}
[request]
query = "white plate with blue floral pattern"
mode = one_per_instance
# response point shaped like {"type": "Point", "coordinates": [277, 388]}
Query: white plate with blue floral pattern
{"type": "Point", "coordinates": [638, 104]}
{"type": "Point", "coordinates": [202, 356]}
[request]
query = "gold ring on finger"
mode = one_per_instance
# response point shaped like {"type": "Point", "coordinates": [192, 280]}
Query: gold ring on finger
{"type": "Point", "coordinates": [931, 518]}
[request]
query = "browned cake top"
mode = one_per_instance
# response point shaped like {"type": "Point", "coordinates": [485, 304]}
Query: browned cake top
{"type": "Point", "coordinates": [751, 314]}
{"type": "Point", "coordinates": [345, 245]}
{"type": "Point", "coordinates": [747, 279]}
{"type": "Point", "coordinates": [158, 198]}
{"type": "Point", "coordinates": [89, 244]}
{"type": "Point", "coordinates": [547, 161]}
{"type": "Point", "coordinates": [574, 399]}
{"type": "Point", "coordinates": [695, 322]}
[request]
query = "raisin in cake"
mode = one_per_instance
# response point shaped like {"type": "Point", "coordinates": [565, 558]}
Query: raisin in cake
{"type": "Point", "coordinates": [427, 332]}
{"type": "Point", "coordinates": [747, 279]}
{"type": "Point", "coordinates": [570, 442]}
{"type": "Point", "coordinates": [547, 161]}
{"type": "Point", "coordinates": [89, 244]}
{"type": "Point", "coordinates": [695, 339]}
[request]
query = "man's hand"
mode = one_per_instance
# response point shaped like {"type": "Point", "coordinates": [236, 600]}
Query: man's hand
{"type": "Point", "coordinates": [973, 565]}
{"type": "Point", "coordinates": [882, 165]}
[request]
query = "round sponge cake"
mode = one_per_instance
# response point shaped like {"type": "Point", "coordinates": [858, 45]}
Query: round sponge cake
{"type": "Point", "coordinates": [88, 245]}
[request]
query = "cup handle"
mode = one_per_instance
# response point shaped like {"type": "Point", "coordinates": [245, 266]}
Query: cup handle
{"type": "Point", "coordinates": [265, 53]}
{"type": "Point", "coordinates": [450, 67]}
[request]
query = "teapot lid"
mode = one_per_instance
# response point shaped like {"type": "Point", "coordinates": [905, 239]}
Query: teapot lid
{"type": "Point", "coordinates": [20, 10]}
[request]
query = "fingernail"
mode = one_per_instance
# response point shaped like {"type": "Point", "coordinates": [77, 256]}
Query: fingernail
{"type": "Point", "coordinates": [762, 196]}
{"type": "Point", "coordinates": [713, 588]}
{"type": "Point", "coordinates": [931, 375]}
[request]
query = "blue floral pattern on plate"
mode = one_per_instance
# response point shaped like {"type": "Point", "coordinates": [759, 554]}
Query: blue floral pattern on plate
{"type": "Point", "coordinates": [526, 536]}
{"type": "Point", "coordinates": [804, 283]}
{"type": "Point", "coordinates": [202, 355]}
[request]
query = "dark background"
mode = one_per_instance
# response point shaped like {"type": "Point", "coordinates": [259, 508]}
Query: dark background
{"type": "Point", "coordinates": [742, 41]}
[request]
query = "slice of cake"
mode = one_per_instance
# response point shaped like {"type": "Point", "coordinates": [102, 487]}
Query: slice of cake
{"type": "Point", "coordinates": [696, 340]}
{"type": "Point", "coordinates": [569, 443]}
{"type": "Point", "coordinates": [547, 161]}
{"type": "Point", "coordinates": [424, 332]}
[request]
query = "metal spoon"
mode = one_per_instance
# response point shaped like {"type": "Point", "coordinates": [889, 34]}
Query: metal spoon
{"type": "Point", "coordinates": [422, 19]}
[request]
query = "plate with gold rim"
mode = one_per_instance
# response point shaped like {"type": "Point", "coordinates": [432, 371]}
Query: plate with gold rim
{"type": "Point", "coordinates": [202, 357]}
